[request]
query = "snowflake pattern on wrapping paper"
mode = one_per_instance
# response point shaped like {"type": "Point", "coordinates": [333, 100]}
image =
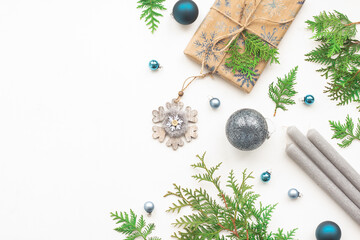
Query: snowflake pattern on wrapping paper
{"type": "Point", "coordinates": [244, 79]}
{"type": "Point", "coordinates": [274, 7]}
{"type": "Point", "coordinates": [221, 26]}
{"type": "Point", "coordinates": [284, 26]}
{"type": "Point", "coordinates": [227, 3]}
{"type": "Point", "coordinates": [205, 44]}
{"type": "Point", "coordinates": [270, 36]}
{"type": "Point", "coordinates": [226, 69]}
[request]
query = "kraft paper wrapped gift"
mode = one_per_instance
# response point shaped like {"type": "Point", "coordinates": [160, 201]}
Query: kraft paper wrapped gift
{"type": "Point", "coordinates": [268, 19]}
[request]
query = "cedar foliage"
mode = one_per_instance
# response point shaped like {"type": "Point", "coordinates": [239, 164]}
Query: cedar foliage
{"type": "Point", "coordinates": [347, 131]}
{"type": "Point", "coordinates": [228, 216]}
{"type": "Point", "coordinates": [338, 53]}
{"type": "Point", "coordinates": [284, 90]}
{"type": "Point", "coordinates": [133, 227]}
{"type": "Point", "coordinates": [245, 59]}
{"type": "Point", "coordinates": [149, 14]}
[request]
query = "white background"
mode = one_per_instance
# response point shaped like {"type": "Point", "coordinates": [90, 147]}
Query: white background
{"type": "Point", "coordinates": [76, 97]}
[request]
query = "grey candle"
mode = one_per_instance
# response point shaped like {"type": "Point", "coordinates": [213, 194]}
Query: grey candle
{"type": "Point", "coordinates": [334, 157]}
{"type": "Point", "coordinates": [323, 181]}
{"type": "Point", "coordinates": [323, 163]}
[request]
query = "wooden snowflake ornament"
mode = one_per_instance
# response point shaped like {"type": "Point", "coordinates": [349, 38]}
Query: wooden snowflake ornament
{"type": "Point", "coordinates": [175, 123]}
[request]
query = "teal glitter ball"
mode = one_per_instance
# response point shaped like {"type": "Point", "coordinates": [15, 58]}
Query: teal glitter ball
{"type": "Point", "coordinates": [185, 12]}
{"type": "Point", "coordinates": [328, 231]}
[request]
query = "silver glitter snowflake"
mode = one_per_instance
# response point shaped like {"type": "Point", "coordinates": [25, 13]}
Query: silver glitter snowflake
{"type": "Point", "coordinates": [175, 123]}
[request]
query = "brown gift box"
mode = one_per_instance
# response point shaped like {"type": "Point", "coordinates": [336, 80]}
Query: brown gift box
{"type": "Point", "coordinates": [269, 19]}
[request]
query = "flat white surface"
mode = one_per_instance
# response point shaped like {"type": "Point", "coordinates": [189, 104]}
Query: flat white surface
{"type": "Point", "coordinates": [76, 97]}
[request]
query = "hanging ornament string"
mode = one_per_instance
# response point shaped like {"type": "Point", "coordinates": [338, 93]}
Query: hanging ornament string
{"type": "Point", "coordinates": [233, 36]}
{"type": "Point", "coordinates": [187, 83]}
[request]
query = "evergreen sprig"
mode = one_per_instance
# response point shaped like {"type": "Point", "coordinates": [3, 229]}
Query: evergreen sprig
{"type": "Point", "coordinates": [133, 227]}
{"type": "Point", "coordinates": [338, 52]}
{"type": "Point", "coordinates": [347, 131]}
{"type": "Point", "coordinates": [245, 59]}
{"type": "Point", "coordinates": [228, 216]}
{"type": "Point", "coordinates": [284, 90]}
{"type": "Point", "coordinates": [150, 14]}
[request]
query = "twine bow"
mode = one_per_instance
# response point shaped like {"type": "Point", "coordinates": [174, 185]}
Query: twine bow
{"type": "Point", "coordinates": [233, 36]}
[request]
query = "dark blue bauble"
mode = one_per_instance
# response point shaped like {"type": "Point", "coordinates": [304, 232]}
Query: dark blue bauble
{"type": "Point", "coordinates": [185, 12]}
{"type": "Point", "coordinates": [328, 231]}
{"type": "Point", "coordinates": [265, 176]}
{"type": "Point", "coordinates": [309, 99]}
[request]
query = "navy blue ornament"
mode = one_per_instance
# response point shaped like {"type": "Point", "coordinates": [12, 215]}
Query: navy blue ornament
{"type": "Point", "coordinates": [293, 193]}
{"type": "Point", "coordinates": [154, 65]}
{"type": "Point", "coordinates": [215, 103]}
{"type": "Point", "coordinates": [328, 231]}
{"type": "Point", "coordinates": [185, 12]}
{"type": "Point", "coordinates": [149, 207]}
{"type": "Point", "coordinates": [265, 176]}
{"type": "Point", "coordinates": [247, 129]}
{"type": "Point", "coordinates": [309, 99]}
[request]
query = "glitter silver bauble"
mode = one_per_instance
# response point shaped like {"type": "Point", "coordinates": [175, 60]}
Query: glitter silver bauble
{"type": "Point", "coordinates": [247, 129]}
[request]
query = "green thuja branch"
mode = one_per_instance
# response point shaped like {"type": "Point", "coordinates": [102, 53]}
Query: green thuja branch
{"type": "Point", "coordinates": [133, 227]}
{"type": "Point", "coordinates": [245, 59]}
{"type": "Point", "coordinates": [282, 93]}
{"type": "Point", "coordinates": [338, 53]}
{"type": "Point", "coordinates": [150, 14]}
{"type": "Point", "coordinates": [232, 214]}
{"type": "Point", "coordinates": [347, 131]}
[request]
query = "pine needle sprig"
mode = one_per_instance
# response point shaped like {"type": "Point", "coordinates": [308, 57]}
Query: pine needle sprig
{"type": "Point", "coordinates": [228, 216]}
{"type": "Point", "coordinates": [338, 52]}
{"type": "Point", "coordinates": [245, 59]}
{"type": "Point", "coordinates": [332, 28]}
{"type": "Point", "coordinates": [347, 131]}
{"type": "Point", "coordinates": [133, 227]}
{"type": "Point", "coordinates": [283, 91]}
{"type": "Point", "coordinates": [149, 14]}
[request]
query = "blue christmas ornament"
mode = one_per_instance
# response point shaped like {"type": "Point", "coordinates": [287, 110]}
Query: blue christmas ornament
{"type": "Point", "coordinates": [149, 207]}
{"type": "Point", "coordinates": [185, 12]}
{"type": "Point", "coordinates": [328, 231]}
{"type": "Point", "coordinates": [265, 176]}
{"type": "Point", "coordinates": [215, 103]}
{"type": "Point", "coordinates": [154, 65]}
{"type": "Point", "coordinates": [309, 99]}
{"type": "Point", "coordinates": [293, 193]}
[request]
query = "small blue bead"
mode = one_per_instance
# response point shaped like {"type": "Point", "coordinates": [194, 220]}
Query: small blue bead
{"type": "Point", "coordinates": [293, 193]}
{"type": "Point", "coordinates": [309, 99]}
{"type": "Point", "coordinates": [328, 231]}
{"type": "Point", "coordinates": [265, 177]}
{"type": "Point", "coordinates": [215, 103]}
{"type": "Point", "coordinates": [154, 65]}
{"type": "Point", "coordinates": [149, 207]}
